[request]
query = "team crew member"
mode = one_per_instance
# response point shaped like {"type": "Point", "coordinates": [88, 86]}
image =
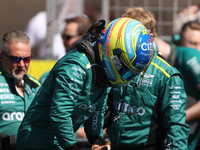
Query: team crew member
{"type": "Point", "coordinates": [185, 57]}
{"type": "Point", "coordinates": [151, 108]}
{"type": "Point", "coordinates": [17, 89]}
{"type": "Point", "coordinates": [70, 96]}
{"type": "Point", "coordinates": [187, 61]}
{"type": "Point", "coordinates": [146, 124]}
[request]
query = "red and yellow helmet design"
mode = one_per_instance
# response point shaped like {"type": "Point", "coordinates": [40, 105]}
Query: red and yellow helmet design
{"type": "Point", "coordinates": [125, 48]}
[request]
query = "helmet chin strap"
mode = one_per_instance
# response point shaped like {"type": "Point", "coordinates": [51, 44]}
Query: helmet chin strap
{"type": "Point", "coordinates": [140, 80]}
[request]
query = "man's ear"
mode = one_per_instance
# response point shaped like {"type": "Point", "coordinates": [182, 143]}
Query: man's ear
{"type": "Point", "coordinates": [151, 34]}
{"type": "Point", "coordinates": [1, 56]}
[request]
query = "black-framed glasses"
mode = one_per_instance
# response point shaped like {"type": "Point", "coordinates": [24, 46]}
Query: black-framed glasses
{"type": "Point", "coordinates": [68, 37]}
{"type": "Point", "coordinates": [15, 59]}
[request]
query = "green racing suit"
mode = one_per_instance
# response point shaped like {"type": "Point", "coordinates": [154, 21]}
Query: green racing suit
{"type": "Point", "coordinates": [148, 115]}
{"type": "Point", "coordinates": [66, 100]}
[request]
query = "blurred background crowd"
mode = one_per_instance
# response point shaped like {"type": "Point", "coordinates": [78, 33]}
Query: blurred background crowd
{"type": "Point", "coordinates": [43, 20]}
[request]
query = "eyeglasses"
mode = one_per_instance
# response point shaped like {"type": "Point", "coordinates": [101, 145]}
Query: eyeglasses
{"type": "Point", "coordinates": [15, 59]}
{"type": "Point", "coordinates": [68, 37]}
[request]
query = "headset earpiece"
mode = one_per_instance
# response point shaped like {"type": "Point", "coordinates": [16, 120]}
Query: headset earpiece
{"type": "Point", "coordinates": [176, 39]}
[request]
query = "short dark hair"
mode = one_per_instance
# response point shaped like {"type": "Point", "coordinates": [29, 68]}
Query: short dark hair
{"type": "Point", "coordinates": [83, 22]}
{"type": "Point", "coordinates": [194, 25]}
{"type": "Point", "coordinates": [142, 15]}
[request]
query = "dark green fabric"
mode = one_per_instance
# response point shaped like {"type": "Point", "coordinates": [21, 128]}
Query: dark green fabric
{"type": "Point", "coordinates": [187, 61]}
{"type": "Point", "coordinates": [13, 105]}
{"type": "Point", "coordinates": [66, 100]}
{"type": "Point", "coordinates": [162, 116]}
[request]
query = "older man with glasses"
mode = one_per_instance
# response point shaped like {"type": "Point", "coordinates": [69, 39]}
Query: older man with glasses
{"type": "Point", "coordinates": [17, 89]}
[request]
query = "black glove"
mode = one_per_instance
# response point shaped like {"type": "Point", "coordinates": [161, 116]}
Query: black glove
{"type": "Point", "coordinates": [114, 147]}
{"type": "Point", "coordinates": [92, 35]}
{"type": "Point", "coordinates": [7, 142]}
{"type": "Point", "coordinates": [85, 45]}
{"type": "Point", "coordinates": [73, 147]}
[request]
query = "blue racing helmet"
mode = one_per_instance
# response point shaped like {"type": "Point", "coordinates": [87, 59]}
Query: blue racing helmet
{"type": "Point", "coordinates": [125, 48]}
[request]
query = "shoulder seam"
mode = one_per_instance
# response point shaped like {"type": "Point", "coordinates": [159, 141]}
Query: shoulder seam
{"type": "Point", "coordinates": [82, 62]}
{"type": "Point", "coordinates": [163, 60]}
{"type": "Point", "coordinates": [161, 69]}
{"type": "Point", "coordinates": [34, 80]}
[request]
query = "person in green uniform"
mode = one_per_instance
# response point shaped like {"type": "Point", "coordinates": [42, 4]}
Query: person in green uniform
{"type": "Point", "coordinates": [76, 89]}
{"type": "Point", "coordinates": [17, 88]}
{"type": "Point", "coordinates": [184, 55]}
{"type": "Point", "coordinates": [149, 113]}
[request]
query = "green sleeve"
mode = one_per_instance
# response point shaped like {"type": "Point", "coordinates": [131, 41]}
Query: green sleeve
{"type": "Point", "coordinates": [67, 89]}
{"type": "Point", "coordinates": [188, 63]}
{"type": "Point", "coordinates": [173, 102]}
{"type": "Point", "coordinates": [96, 122]}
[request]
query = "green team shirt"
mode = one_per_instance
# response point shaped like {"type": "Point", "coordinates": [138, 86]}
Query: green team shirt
{"type": "Point", "coordinates": [161, 116]}
{"type": "Point", "coordinates": [65, 100]}
{"type": "Point", "coordinates": [187, 61]}
{"type": "Point", "coordinates": [13, 105]}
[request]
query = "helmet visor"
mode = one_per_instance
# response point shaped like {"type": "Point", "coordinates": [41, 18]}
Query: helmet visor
{"type": "Point", "coordinates": [126, 72]}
